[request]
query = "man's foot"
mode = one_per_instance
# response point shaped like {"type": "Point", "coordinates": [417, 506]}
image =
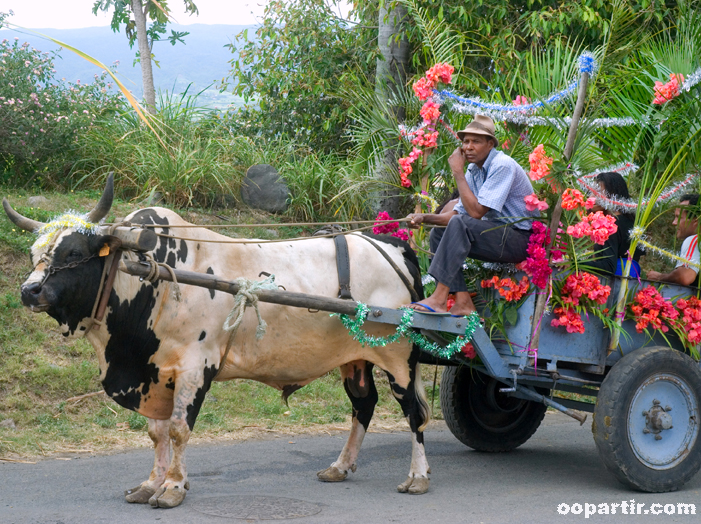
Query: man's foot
{"type": "Point", "coordinates": [427, 310]}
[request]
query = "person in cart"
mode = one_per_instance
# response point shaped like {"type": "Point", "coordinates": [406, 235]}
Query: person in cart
{"type": "Point", "coordinates": [686, 218]}
{"type": "Point", "coordinates": [490, 222]}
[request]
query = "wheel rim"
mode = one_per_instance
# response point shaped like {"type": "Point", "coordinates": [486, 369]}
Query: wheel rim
{"type": "Point", "coordinates": [493, 410]}
{"type": "Point", "coordinates": [660, 437]}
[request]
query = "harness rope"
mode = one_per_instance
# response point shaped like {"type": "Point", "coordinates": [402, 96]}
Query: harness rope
{"type": "Point", "coordinates": [246, 296]}
{"type": "Point", "coordinates": [153, 274]}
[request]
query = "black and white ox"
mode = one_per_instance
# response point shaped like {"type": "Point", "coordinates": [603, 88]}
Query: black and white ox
{"type": "Point", "coordinates": [158, 356]}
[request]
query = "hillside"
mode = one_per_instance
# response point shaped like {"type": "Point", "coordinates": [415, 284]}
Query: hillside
{"type": "Point", "coordinates": [202, 61]}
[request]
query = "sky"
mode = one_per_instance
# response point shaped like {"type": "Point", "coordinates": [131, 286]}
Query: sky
{"type": "Point", "coordinates": [73, 14]}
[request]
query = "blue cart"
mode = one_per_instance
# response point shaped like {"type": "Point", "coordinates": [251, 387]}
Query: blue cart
{"type": "Point", "coordinates": [644, 396]}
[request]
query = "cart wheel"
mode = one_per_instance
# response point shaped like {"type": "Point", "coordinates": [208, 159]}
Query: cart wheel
{"type": "Point", "coordinates": [483, 418]}
{"type": "Point", "coordinates": [646, 423]}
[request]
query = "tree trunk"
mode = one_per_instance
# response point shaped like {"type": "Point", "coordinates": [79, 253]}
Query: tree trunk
{"type": "Point", "coordinates": [390, 78]}
{"type": "Point", "coordinates": [139, 10]}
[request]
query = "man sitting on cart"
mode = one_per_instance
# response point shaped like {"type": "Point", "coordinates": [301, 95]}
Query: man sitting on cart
{"type": "Point", "coordinates": [686, 219]}
{"type": "Point", "coordinates": [489, 223]}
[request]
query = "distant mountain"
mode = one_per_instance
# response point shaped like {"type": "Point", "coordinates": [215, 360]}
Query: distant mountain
{"type": "Point", "coordinates": [202, 61]}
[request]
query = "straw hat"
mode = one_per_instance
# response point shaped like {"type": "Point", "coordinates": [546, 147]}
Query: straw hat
{"type": "Point", "coordinates": [480, 125]}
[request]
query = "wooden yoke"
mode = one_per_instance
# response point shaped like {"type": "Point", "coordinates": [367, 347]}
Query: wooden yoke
{"type": "Point", "coordinates": [542, 298]}
{"type": "Point", "coordinates": [136, 238]}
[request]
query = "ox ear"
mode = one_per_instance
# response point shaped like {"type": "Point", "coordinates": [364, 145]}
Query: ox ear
{"type": "Point", "coordinates": [103, 206]}
{"type": "Point", "coordinates": [20, 221]}
{"type": "Point", "coordinates": [107, 244]}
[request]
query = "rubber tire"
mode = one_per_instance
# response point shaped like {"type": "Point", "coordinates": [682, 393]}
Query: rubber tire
{"type": "Point", "coordinates": [613, 404]}
{"type": "Point", "coordinates": [466, 417]}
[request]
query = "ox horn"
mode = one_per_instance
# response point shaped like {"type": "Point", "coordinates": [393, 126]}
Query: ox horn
{"type": "Point", "coordinates": [103, 206]}
{"type": "Point", "coordinates": [20, 221]}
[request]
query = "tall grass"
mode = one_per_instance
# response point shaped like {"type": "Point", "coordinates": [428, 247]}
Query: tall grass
{"type": "Point", "coordinates": [203, 160]}
{"type": "Point", "coordinates": [195, 165]}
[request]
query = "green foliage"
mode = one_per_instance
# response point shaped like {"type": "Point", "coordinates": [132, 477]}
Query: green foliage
{"type": "Point", "coordinates": [41, 117]}
{"type": "Point", "coordinates": [291, 75]}
{"type": "Point", "coordinates": [122, 16]}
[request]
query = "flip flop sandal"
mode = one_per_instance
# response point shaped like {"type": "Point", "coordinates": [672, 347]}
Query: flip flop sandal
{"type": "Point", "coordinates": [431, 311]}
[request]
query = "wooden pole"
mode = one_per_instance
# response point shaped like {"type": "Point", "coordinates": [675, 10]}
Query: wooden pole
{"type": "Point", "coordinates": [557, 211]}
{"type": "Point", "coordinates": [285, 298]}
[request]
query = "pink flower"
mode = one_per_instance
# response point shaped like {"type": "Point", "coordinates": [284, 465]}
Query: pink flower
{"type": "Point", "coordinates": [589, 203]}
{"type": "Point", "coordinates": [521, 101]}
{"type": "Point", "coordinates": [430, 111]}
{"type": "Point", "coordinates": [666, 92]}
{"type": "Point", "coordinates": [540, 163]}
{"type": "Point", "coordinates": [532, 203]}
{"type": "Point", "coordinates": [423, 88]}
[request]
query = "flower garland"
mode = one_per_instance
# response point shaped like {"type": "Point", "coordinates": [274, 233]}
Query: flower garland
{"type": "Point", "coordinates": [425, 198]}
{"type": "Point", "coordinates": [691, 80]}
{"type": "Point", "coordinates": [630, 205]}
{"type": "Point", "coordinates": [404, 329]}
{"type": "Point", "coordinates": [70, 220]}
{"type": "Point", "coordinates": [518, 112]}
{"type": "Point", "coordinates": [638, 233]}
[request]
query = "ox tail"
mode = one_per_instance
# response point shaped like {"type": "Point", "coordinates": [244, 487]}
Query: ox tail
{"type": "Point", "coordinates": [422, 407]}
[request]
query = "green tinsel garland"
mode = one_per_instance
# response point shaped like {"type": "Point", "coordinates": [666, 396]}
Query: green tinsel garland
{"type": "Point", "coordinates": [404, 329]}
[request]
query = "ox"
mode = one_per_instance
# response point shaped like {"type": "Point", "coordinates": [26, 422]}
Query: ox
{"type": "Point", "coordinates": [158, 356]}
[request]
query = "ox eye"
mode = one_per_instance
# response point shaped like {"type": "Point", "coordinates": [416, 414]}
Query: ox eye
{"type": "Point", "coordinates": [75, 254]}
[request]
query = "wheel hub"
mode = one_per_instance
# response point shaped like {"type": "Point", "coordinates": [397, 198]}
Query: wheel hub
{"type": "Point", "coordinates": [659, 441]}
{"type": "Point", "coordinates": [657, 419]}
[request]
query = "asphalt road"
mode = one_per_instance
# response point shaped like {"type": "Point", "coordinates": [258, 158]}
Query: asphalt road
{"type": "Point", "coordinates": [275, 480]}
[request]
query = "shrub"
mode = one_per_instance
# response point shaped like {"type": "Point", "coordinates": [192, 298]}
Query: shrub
{"type": "Point", "coordinates": [40, 117]}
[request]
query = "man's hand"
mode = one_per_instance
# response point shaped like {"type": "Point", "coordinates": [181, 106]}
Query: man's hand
{"type": "Point", "coordinates": [653, 275]}
{"type": "Point", "coordinates": [456, 161]}
{"type": "Point", "coordinates": [415, 220]}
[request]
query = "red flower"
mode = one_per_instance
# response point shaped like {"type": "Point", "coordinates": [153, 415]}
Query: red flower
{"type": "Point", "coordinates": [568, 318]}
{"type": "Point", "coordinates": [469, 350]}
{"type": "Point", "coordinates": [666, 92]}
{"type": "Point", "coordinates": [508, 288]}
{"type": "Point", "coordinates": [651, 309]}
{"type": "Point", "coordinates": [572, 199]}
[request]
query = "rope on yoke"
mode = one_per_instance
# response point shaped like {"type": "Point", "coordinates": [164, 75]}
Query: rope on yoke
{"type": "Point", "coordinates": [246, 296]}
{"type": "Point", "coordinates": [153, 274]}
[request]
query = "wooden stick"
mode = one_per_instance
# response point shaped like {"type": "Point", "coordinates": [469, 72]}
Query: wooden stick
{"type": "Point", "coordinates": [557, 211]}
{"type": "Point", "coordinates": [81, 397]}
{"type": "Point", "coordinates": [17, 461]}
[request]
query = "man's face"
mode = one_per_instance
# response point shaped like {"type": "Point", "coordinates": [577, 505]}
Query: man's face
{"type": "Point", "coordinates": [476, 148]}
{"type": "Point", "coordinates": [685, 226]}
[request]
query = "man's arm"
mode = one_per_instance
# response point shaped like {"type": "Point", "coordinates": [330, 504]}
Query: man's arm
{"type": "Point", "coordinates": [456, 161]}
{"type": "Point", "coordinates": [684, 276]}
{"type": "Point", "coordinates": [442, 219]}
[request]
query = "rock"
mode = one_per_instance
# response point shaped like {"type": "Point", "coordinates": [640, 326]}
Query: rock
{"type": "Point", "coordinates": [264, 188]}
{"type": "Point", "coordinates": [37, 201]}
{"type": "Point", "coordinates": [8, 424]}
{"type": "Point", "coordinates": [154, 199]}
{"type": "Point", "coordinates": [273, 233]}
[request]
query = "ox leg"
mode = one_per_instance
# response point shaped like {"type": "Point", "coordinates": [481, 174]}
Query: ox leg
{"type": "Point", "coordinates": [360, 388]}
{"type": "Point", "coordinates": [190, 390]}
{"type": "Point", "coordinates": [412, 399]}
{"type": "Point", "coordinates": [158, 431]}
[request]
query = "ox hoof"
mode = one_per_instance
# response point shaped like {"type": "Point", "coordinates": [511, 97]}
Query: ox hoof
{"type": "Point", "coordinates": [139, 495]}
{"type": "Point", "coordinates": [332, 474]}
{"type": "Point", "coordinates": [169, 497]}
{"type": "Point", "coordinates": [414, 485]}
